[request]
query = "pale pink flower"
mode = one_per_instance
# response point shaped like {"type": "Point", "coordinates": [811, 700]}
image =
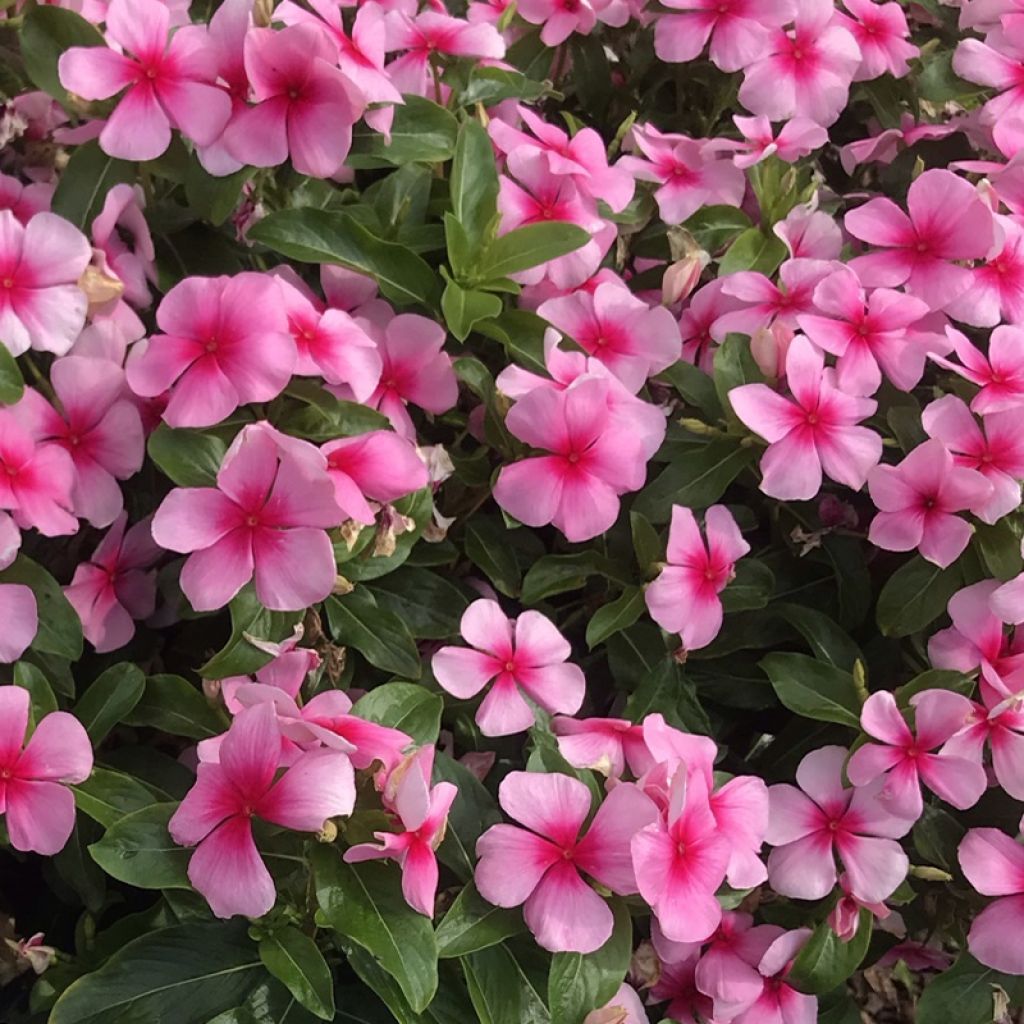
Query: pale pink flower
{"type": "Point", "coordinates": [905, 759]}
{"type": "Point", "coordinates": [805, 71]}
{"type": "Point", "coordinates": [811, 825]}
{"type": "Point", "coordinates": [590, 462]}
{"type": "Point", "coordinates": [996, 294]}
{"type": "Point", "coordinates": [880, 30]}
{"type": "Point", "coordinates": [24, 201]}
{"type": "Point", "coordinates": [41, 305]}
{"type": "Point", "coordinates": [286, 671]}
{"type": "Point", "coordinates": [886, 145]}
{"type": "Point", "coordinates": [421, 812]}
{"type": "Point", "coordinates": [677, 985]}
{"type": "Point", "coordinates": [624, 1007]}
{"type": "Point", "coordinates": [809, 233]}
{"type": "Point", "coordinates": [684, 598]}
{"type": "Point", "coordinates": [994, 865]}
{"type": "Point", "coordinates": [918, 502]}
{"type": "Point", "coordinates": [541, 868]}
{"type": "Point", "coordinates": [999, 373]}
{"type": "Point", "coordinates": [998, 723]}
{"type": "Point", "coordinates": [764, 303]}
{"type": "Point", "coordinates": [121, 220]}
{"type": "Point", "coordinates": [632, 339]}
{"type": "Point", "coordinates": [378, 465]}
{"type": "Point", "coordinates": [34, 796]}
{"type": "Point", "coordinates": [166, 81]}
{"type": "Point", "coordinates": [225, 343]}
{"type": "Point", "coordinates": [305, 107]}
{"type": "Point", "coordinates": [845, 917]}
{"type": "Point", "coordinates": [946, 222]}
{"type": "Point", "coordinates": [605, 745]}
{"type": "Point", "coordinates": [995, 449]}
{"type": "Point", "coordinates": [18, 609]}
{"type": "Point", "coordinates": [797, 138]}
{"type": "Point", "coordinates": [689, 173]}
{"type": "Point", "coordinates": [815, 432]}
{"type": "Point", "coordinates": [267, 517]}
{"type": "Point", "coordinates": [524, 655]}
{"type": "Point", "coordinates": [561, 18]}
{"type": "Point", "coordinates": [780, 1003]}
{"type": "Point", "coordinates": [739, 30]}
{"type": "Point", "coordinates": [117, 585]}
{"type": "Point", "coordinates": [700, 323]}
{"type": "Point", "coordinates": [218, 811]}
{"type": "Point", "coordinates": [869, 334]}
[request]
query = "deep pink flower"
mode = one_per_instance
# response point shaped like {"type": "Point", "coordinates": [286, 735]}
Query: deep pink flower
{"type": "Point", "coordinates": [41, 305]}
{"type": "Point", "coordinates": [677, 985]}
{"type": "Point", "coordinates": [605, 745]}
{"type": "Point", "coordinates": [525, 655]}
{"type": "Point", "coordinates": [121, 220]}
{"type": "Point", "coordinates": [591, 462]}
{"type": "Point", "coordinates": [880, 30]}
{"type": "Point", "coordinates": [797, 138]}
{"type": "Point", "coordinates": [764, 303]}
{"type": "Point", "coordinates": [995, 449]}
{"type": "Point", "coordinates": [541, 868]}
{"type": "Point", "coordinates": [267, 517]}
{"type": "Point", "coordinates": [918, 501]}
{"type": "Point", "coordinates": [905, 759]}
{"type": "Point", "coordinates": [946, 222]}
{"type": "Point", "coordinates": [305, 106]}
{"type": "Point", "coordinates": [116, 586]}
{"type": "Point", "coordinates": [378, 465]}
{"type": "Point", "coordinates": [218, 811]}
{"type": "Point", "coordinates": [996, 294]}
{"type": "Point", "coordinates": [167, 82]}
{"type": "Point", "coordinates": [994, 865]}
{"type": "Point", "coordinates": [869, 334]}
{"type": "Point", "coordinates": [779, 1002]}
{"type": "Point", "coordinates": [225, 343]}
{"type": "Point", "coordinates": [815, 432]}
{"type": "Point", "coordinates": [39, 808]}
{"type": "Point", "coordinates": [811, 825]}
{"type": "Point", "coordinates": [684, 598]}
{"type": "Point", "coordinates": [422, 815]}
{"type": "Point", "coordinates": [999, 374]}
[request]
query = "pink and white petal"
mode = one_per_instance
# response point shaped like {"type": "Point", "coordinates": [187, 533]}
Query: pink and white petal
{"type": "Point", "coordinates": [538, 641]}
{"type": "Point", "coordinates": [944, 539]}
{"type": "Point", "coordinates": [318, 786]}
{"type": "Point", "coordinates": [531, 490]}
{"type": "Point", "coordinates": [604, 852]}
{"type": "Point", "coordinates": [20, 616]}
{"type": "Point", "coordinates": [211, 577]}
{"type": "Point", "coordinates": [870, 761]}
{"type": "Point", "coordinates": [875, 867]}
{"type": "Point", "coordinates": [504, 712]}
{"type": "Point", "coordinates": [881, 718]}
{"type": "Point", "coordinates": [511, 864]}
{"type": "Point", "coordinates": [211, 800]}
{"type": "Point", "coordinates": [764, 411]}
{"type": "Point", "coordinates": [793, 815]}
{"type": "Point", "coordinates": [554, 806]}
{"type": "Point", "coordinates": [59, 751]}
{"type": "Point", "coordinates": [193, 518]}
{"type": "Point", "coordinates": [228, 871]}
{"type": "Point", "coordinates": [293, 568]}
{"type": "Point", "coordinates": [14, 711]}
{"type": "Point", "coordinates": [138, 128]}
{"type": "Point", "coordinates": [820, 776]}
{"type": "Point", "coordinates": [992, 862]}
{"type": "Point", "coordinates": [791, 468]}
{"type": "Point", "coordinates": [724, 538]}
{"type": "Point", "coordinates": [565, 914]}
{"type": "Point", "coordinates": [419, 878]}
{"type": "Point", "coordinates": [938, 715]}
{"type": "Point", "coordinates": [558, 689]}
{"type": "Point", "coordinates": [463, 671]}
{"type": "Point", "coordinates": [40, 815]}
{"type": "Point", "coordinates": [987, 940]}
{"type": "Point", "coordinates": [1008, 761]}
{"type": "Point", "coordinates": [804, 869]}
{"type": "Point", "coordinates": [486, 627]}
{"type": "Point", "coordinates": [958, 781]}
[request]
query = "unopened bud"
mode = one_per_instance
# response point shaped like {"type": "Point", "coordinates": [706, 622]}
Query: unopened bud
{"type": "Point", "coordinates": [263, 13]}
{"type": "Point", "coordinates": [101, 289]}
{"type": "Point", "coordinates": [645, 967]}
{"type": "Point", "coordinates": [927, 874]}
{"type": "Point", "coordinates": [342, 586]}
{"type": "Point", "coordinates": [211, 689]}
{"type": "Point", "coordinates": [682, 276]}
{"type": "Point", "coordinates": [328, 832]}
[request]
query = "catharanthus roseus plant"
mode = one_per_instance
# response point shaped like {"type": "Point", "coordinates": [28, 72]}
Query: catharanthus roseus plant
{"type": "Point", "coordinates": [511, 511]}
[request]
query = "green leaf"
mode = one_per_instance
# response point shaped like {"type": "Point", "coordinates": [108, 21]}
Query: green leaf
{"type": "Point", "coordinates": [330, 236]}
{"type": "Point", "coordinates": [812, 689]}
{"type": "Point", "coordinates": [212, 198]}
{"type": "Point", "coordinates": [937, 836]}
{"type": "Point", "coordinates": [109, 699]}
{"type": "Point", "coordinates": [46, 33]}
{"type": "Point", "coordinates": [250, 621]}
{"type": "Point", "coordinates": [363, 902]}
{"type": "Point", "coordinates": [734, 366]}
{"type": "Point", "coordinates": [474, 187]}
{"type": "Point", "coordinates": [666, 689]}
{"type": "Point", "coordinates": [320, 417]}
{"type": "Point", "coordinates": [647, 544]}
{"type": "Point", "coordinates": [825, 962]}
{"type": "Point", "coordinates": [60, 629]}
{"type": "Point", "coordinates": [752, 587]}
{"type": "Point", "coordinates": [421, 132]}
{"type": "Point", "coordinates": [530, 246]}
{"type": "Point", "coordinates": [579, 983]}
{"type": "Point", "coordinates": [473, 812]}
{"type": "Point", "coordinates": [487, 548]}
{"type": "Point", "coordinates": [558, 574]}
{"type": "Point", "coordinates": [405, 706]}
{"type": "Point", "coordinates": [489, 85]}
{"type": "Point", "coordinates": [966, 993]}
{"type": "Point", "coordinates": [714, 227]}
{"type": "Point", "coordinates": [85, 182]}
{"type": "Point", "coordinates": [425, 601]}
{"type": "Point", "coordinates": [494, 987]}
{"type": "Point", "coordinates": [472, 924]}
{"type": "Point", "coordinates": [379, 635]}
{"type": "Point", "coordinates": [827, 639]}
{"type": "Point", "coordinates": [138, 850]}
{"type": "Point", "coordinates": [695, 386]}
{"type": "Point", "coordinates": [79, 871]}
{"type": "Point", "coordinates": [753, 250]}
{"type": "Point", "coordinates": [295, 960]}
{"type": "Point", "coordinates": [30, 677]}
{"type": "Point", "coordinates": [189, 458]}
{"type": "Point", "coordinates": [463, 308]}
{"type": "Point", "coordinates": [695, 479]}
{"type": "Point", "coordinates": [915, 595]}
{"type": "Point", "coordinates": [12, 384]}
{"type": "Point", "coordinates": [934, 679]}
{"type": "Point", "coordinates": [939, 83]}
{"type": "Point", "coordinates": [174, 705]}
{"type": "Point", "coordinates": [108, 796]}
{"type": "Point", "coordinates": [617, 615]}
{"type": "Point", "coordinates": [187, 973]}
{"type": "Point", "coordinates": [999, 548]}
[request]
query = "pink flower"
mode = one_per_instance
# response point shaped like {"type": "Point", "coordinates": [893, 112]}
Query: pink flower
{"type": "Point", "coordinates": [116, 585]}
{"type": "Point", "coordinates": [121, 219]}
{"type": "Point", "coordinates": [918, 501]}
{"type": "Point", "coordinates": [677, 985]}
{"type": "Point", "coordinates": [904, 759]}
{"type": "Point", "coordinates": [886, 145]}
{"type": "Point", "coordinates": [633, 340]}
{"type": "Point", "coordinates": [996, 293]}
{"type": "Point", "coordinates": [166, 80]}
{"type": "Point", "coordinates": [218, 811]}
{"type": "Point", "coordinates": [39, 808]}
{"type": "Point", "coordinates": [809, 233]}
{"type": "Point", "coordinates": [541, 868]}
{"type": "Point", "coordinates": [689, 173]}
{"type": "Point", "coordinates": [41, 305]}
{"type": "Point", "coordinates": [1000, 374]}
{"type": "Point", "coordinates": [881, 32]}
{"type": "Point", "coordinates": [18, 609]}
{"type": "Point", "coordinates": [947, 222]}
{"type": "Point", "coordinates": [699, 324]}
{"type": "Point", "coordinates": [997, 451]}
{"type": "Point", "coordinates": [999, 723]}
{"type": "Point", "coordinates": [739, 30]}
{"type": "Point", "coordinates": [287, 671]}
{"type": "Point", "coordinates": [561, 18]}
{"type": "Point", "coordinates": [994, 865]}
{"type": "Point", "coordinates": [305, 107]}
{"type": "Point", "coordinates": [267, 516]}
{"type": "Point", "coordinates": [763, 303]}
{"type": "Point", "coordinates": [24, 201]}
{"type": "Point", "coordinates": [422, 814]}
{"type": "Point", "coordinates": [684, 598]}
{"type": "Point", "coordinates": [225, 343]}
{"type": "Point", "coordinates": [378, 465]}
{"type": "Point", "coordinates": [590, 464]}
{"type": "Point", "coordinates": [809, 826]}
{"type": "Point", "coordinates": [805, 71]}
{"type": "Point", "coordinates": [624, 1007]}
{"type": "Point", "coordinates": [781, 1003]}
{"type": "Point", "coordinates": [869, 334]}
{"type": "Point", "coordinates": [605, 745]}
{"type": "Point", "coordinates": [797, 138]}
{"type": "Point", "coordinates": [527, 654]}
{"type": "Point", "coordinates": [845, 917]}
{"type": "Point", "coordinates": [100, 429]}
{"type": "Point", "coordinates": [815, 432]}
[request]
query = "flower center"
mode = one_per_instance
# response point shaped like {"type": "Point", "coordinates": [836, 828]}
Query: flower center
{"type": "Point", "coordinates": [252, 520]}
{"type": "Point", "coordinates": [211, 345]}
{"type": "Point", "coordinates": [8, 282]}
{"type": "Point", "coordinates": [573, 457]}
